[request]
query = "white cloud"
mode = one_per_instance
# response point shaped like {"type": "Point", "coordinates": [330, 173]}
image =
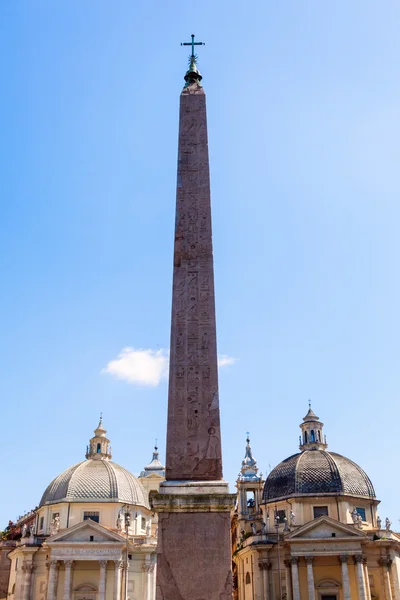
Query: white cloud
{"type": "Point", "coordinates": [224, 360]}
{"type": "Point", "coordinates": [147, 367]}
{"type": "Point", "coordinates": [140, 367]}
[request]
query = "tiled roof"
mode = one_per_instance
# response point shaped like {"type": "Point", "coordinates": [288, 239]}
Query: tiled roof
{"type": "Point", "coordinates": [317, 472]}
{"type": "Point", "coordinates": [93, 480]}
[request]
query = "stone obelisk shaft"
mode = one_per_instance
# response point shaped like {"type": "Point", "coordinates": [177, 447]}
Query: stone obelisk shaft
{"type": "Point", "coordinates": [194, 547]}
{"type": "Point", "coordinates": [193, 433]}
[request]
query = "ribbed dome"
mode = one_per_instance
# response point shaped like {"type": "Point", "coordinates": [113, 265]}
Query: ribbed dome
{"type": "Point", "coordinates": [95, 481]}
{"type": "Point", "coordinates": [317, 472]}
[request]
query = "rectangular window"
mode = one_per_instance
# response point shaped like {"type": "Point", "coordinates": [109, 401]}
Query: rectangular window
{"type": "Point", "coordinates": [41, 525]}
{"type": "Point", "coordinates": [361, 512]}
{"type": "Point", "coordinates": [280, 515]}
{"type": "Point", "coordinates": [319, 511]}
{"type": "Point", "coordinates": [143, 523]}
{"type": "Point", "coordinates": [94, 516]}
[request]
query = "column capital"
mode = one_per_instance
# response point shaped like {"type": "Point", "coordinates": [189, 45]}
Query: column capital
{"type": "Point", "coordinates": [294, 560]}
{"type": "Point", "coordinates": [344, 558]}
{"type": "Point", "coordinates": [264, 565]}
{"type": "Point", "coordinates": [147, 568]}
{"type": "Point", "coordinates": [68, 563]}
{"type": "Point", "coordinates": [287, 562]}
{"type": "Point", "coordinates": [365, 560]}
{"type": "Point", "coordinates": [103, 564]}
{"type": "Point", "coordinates": [118, 564]}
{"type": "Point", "coordinates": [384, 561]}
{"type": "Point", "coordinates": [28, 567]}
{"type": "Point", "coordinates": [357, 558]}
{"type": "Point", "coordinates": [309, 559]}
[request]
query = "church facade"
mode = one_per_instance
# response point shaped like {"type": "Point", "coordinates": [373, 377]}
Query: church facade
{"type": "Point", "coordinates": [311, 531]}
{"type": "Point", "coordinates": [93, 536]}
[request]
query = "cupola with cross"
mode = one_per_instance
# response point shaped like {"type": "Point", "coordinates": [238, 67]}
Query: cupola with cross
{"type": "Point", "coordinates": [99, 446]}
{"type": "Point", "coordinates": [312, 437]}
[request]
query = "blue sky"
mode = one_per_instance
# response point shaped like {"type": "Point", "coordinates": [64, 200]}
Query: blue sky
{"type": "Point", "coordinates": [303, 109]}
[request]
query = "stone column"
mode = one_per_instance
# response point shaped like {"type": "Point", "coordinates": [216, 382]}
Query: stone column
{"type": "Point", "coordinates": [117, 579]}
{"type": "Point", "coordinates": [288, 580]}
{"type": "Point", "coordinates": [345, 576]}
{"type": "Point", "coordinates": [310, 577]}
{"type": "Point", "coordinates": [102, 582]}
{"type": "Point", "coordinates": [360, 577]}
{"type": "Point", "coordinates": [295, 578]}
{"type": "Point", "coordinates": [385, 564]}
{"type": "Point", "coordinates": [67, 579]}
{"type": "Point", "coordinates": [53, 579]}
{"type": "Point", "coordinates": [366, 578]}
{"type": "Point", "coordinates": [28, 570]}
{"type": "Point", "coordinates": [394, 575]}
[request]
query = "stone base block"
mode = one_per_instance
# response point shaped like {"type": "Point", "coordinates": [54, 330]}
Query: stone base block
{"type": "Point", "coordinates": [194, 547]}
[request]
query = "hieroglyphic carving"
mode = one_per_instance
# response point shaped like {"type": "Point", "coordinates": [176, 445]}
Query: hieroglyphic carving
{"type": "Point", "coordinates": [193, 439]}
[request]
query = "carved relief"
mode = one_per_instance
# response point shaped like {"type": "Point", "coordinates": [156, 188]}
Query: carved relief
{"type": "Point", "coordinates": [194, 447]}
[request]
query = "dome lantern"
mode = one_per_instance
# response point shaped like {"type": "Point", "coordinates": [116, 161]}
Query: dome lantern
{"type": "Point", "coordinates": [99, 446]}
{"type": "Point", "coordinates": [312, 437]}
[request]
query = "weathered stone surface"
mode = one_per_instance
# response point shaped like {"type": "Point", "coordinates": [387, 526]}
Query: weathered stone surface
{"type": "Point", "coordinates": [193, 435]}
{"type": "Point", "coordinates": [193, 560]}
{"type": "Point", "coordinates": [193, 506]}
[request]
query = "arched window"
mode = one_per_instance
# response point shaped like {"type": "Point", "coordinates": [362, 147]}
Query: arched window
{"type": "Point", "coordinates": [248, 580]}
{"type": "Point", "coordinates": [305, 437]}
{"type": "Point", "coordinates": [98, 448]}
{"type": "Point", "coordinates": [312, 434]}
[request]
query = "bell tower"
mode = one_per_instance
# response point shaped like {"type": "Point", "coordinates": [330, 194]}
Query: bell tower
{"type": "Point", "coordinates": [250, 487]}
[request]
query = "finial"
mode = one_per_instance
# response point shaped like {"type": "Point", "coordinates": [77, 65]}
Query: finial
{"type": "Point", "coordinates": [192, 74]}
{"type": "Point", "coordinates": [247, 437]}
{"type": "Point", "coordinates": [309, 403]}
{"type": "Point", "coordinates": [156, 446]}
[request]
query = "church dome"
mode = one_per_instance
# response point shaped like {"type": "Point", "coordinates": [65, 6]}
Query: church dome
{"type": "Point", "coordinates": [315, 471]}
{"type": "Point", "coordinates": [96, 479]}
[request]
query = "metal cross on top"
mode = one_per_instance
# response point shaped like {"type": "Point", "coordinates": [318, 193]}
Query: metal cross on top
{"type": "Point", "coordinates": [193, 44]}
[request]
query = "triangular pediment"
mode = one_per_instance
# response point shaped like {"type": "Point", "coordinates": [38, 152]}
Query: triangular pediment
{"type": "Point", "coordinates": [82, 532]}
{"type": "Point", "coordinates": [324, 527]}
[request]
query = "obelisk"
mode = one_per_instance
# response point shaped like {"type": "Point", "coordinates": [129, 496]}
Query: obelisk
{"type": "Point", "coordinates": [194, 551]}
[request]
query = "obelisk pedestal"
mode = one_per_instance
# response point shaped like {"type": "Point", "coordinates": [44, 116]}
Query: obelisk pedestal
{"type": "Point", "coordinates": [193, 505]}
